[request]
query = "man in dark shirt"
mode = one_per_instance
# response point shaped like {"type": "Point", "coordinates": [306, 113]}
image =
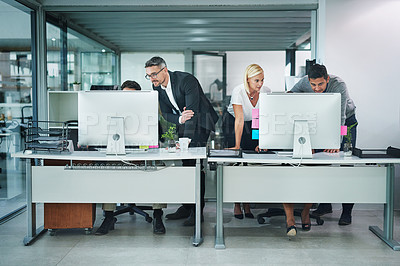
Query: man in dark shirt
{"type": "Point", "coordinates": [319, 81]}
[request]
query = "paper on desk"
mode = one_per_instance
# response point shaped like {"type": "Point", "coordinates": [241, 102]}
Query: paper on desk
{"type": "Point", "coordinates": [343, 130]}
{"type": "Point", "coordinates": [255, 134]}
{"type": "Point", "coordinates": [255, 113]}
{"type": "Point", "coordinates": [255, 123]}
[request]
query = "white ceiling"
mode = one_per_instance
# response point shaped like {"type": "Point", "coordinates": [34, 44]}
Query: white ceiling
{"type": "Point", "coordinates": [203, 30]}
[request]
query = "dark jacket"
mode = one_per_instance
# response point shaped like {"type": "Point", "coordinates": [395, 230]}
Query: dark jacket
{"type": "Point", "coordinates": [188, 93]}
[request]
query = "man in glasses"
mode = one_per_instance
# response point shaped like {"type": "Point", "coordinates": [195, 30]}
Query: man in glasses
{"type": "Point", "coordinates": [183, 103]}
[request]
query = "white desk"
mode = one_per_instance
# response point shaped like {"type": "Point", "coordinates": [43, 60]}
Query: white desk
{"type": "Point", "coordinates": [88, 184]}
{"type": "Point", "coordinates": [367, 181]}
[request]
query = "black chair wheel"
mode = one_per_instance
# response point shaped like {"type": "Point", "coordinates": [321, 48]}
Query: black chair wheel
{"type": "Point", "coordinates": [320, 221]}
{"type": "Point", "coordinates": [260, 220]}
{"type": "Point", "coordinates": [52, 232]}
{"type": "Point", "coordinates": [149, 219]}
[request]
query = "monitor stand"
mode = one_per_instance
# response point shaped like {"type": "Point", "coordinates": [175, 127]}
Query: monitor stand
{"type": "Point", "coordinates": [116, 136]}
{"type": "Point", "coordinates": [301, 140]}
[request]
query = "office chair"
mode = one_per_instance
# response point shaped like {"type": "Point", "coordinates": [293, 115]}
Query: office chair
{"type": "Point", "coordinates": [280, 212]}
{"type": "Point", "coordinates": [132, 209]}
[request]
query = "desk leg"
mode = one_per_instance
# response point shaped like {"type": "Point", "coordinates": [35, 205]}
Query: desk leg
{"type": "Point", "coordinates": [387, 234]}
{"type": "Point", "coordinates": [198, 238]}
{"type": "Point", "coordinates": [32, 232]}
{"type": "Point", "coordinates": [219, 228]}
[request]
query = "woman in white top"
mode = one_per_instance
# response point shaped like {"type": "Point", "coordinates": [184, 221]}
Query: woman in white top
{"type": "Point", "coordinates": [244, 99]}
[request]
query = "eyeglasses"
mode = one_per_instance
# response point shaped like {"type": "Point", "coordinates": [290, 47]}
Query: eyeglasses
{"type": "Point", "coordinates": [153, 75]}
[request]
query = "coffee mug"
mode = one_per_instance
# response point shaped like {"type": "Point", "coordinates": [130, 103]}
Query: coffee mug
{"type": "Point", "coordinates": [184, 143]}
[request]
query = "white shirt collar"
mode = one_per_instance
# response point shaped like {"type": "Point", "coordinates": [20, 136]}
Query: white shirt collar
{"type": "Point", "coordinates": [168, 85]}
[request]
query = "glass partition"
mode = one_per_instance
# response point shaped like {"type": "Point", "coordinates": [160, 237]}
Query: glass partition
{"type": "Point", "coordinates": [89, 63]}
{"type": "Point", "coordinates": [15, 103]}
{"type": "Point", "coordinates": [54, 67]}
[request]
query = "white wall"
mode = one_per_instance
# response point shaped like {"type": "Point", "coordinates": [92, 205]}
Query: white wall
{"type": "Point", "coordinates": [362, 38]}
{"type": "Point", "coordinates": [301, 57]}
{"type": "Point", "coordinates": [132, 66]}
{"type": "Point", "coordinates": [362, 47]}
{"type": "Point", "coordinates": [273, 63]}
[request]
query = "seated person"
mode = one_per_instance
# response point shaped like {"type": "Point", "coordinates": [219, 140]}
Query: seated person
{"type": "Point", "coordinates": [109, 208]}
{"type": "Point", "coordinates": [244, 99]}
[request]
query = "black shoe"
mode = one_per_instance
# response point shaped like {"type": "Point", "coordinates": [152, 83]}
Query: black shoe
{"type": "Point", "coordinates": [238, 216]}
{"type": "Point", "coordinates": [181, 213]}
{"type": "Point", "coordinates": [323, 208]}
{"type": "Point", "coordinates": [190, 221]}
{"type": "Point", "coordinates": [158, 226]}
{"type": "Point", "coordinates": [249, 215]}
{"type": "Point", "coordinates": [108, 224]}
{"type": "Point", "coordinates": [291, 230]}
{"type": "Point", "coordinates": [345, 218]}
{"type": "Point", "coordinates": [306, 227]}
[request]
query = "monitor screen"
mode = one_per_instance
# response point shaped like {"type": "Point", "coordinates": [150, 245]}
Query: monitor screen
{"type": "Point", "coordinates": [279, 112]}
{"type": "Point", "coordinates": [137, 109]}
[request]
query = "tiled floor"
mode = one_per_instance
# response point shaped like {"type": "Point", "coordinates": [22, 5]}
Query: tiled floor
{"type": "Point", "coordinates": [247, 243]}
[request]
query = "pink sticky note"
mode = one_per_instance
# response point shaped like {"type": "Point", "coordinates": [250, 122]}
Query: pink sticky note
{"type": "Point", "coordinates": [255, 113]}
{"type": "Point", "coordinates": [343, 130]}
{"type": "Point", "coordinates": [255, 123]}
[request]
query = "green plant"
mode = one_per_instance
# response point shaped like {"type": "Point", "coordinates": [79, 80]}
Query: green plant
{"type": "Point", "coordinates": [347, 137]}
{"type": "Point", "coordinates": [170, 133]}
{"type": "Point", "coordinates": [76, 82]}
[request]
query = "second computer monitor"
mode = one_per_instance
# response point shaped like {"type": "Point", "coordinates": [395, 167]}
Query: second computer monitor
{"type": "Point", "coordinates": [284, 119]}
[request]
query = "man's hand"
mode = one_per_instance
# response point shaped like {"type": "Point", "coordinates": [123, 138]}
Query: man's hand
{"type": "Point", "coordinates": [331, 150]}
{"type": "Point", "coordinates": [186, 115]}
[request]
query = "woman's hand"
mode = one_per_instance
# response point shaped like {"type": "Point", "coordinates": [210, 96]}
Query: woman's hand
{"type": "Point", "coordinates": [257, 149]}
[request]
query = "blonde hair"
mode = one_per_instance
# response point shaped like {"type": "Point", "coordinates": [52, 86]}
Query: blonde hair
{"type": "Point", "coordinates": [251, 71]}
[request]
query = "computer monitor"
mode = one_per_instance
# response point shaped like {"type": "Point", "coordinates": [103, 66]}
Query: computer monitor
{"type": "Point", "coordinates": [299, 121]}
{"type": "Point", "coordinates": [117, 119]}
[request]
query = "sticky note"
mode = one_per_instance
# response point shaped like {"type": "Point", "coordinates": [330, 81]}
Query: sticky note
{"type": "Point", "coordinates": [343, 130]}
{"type": "Point", "coordinates": [255, 113]}
{"type": "Point", "coordinates": [255, 123]}
{"type": "Point", "coordinates": [153, 146]}
{"type": "Point", "coordinates": [255, 134]}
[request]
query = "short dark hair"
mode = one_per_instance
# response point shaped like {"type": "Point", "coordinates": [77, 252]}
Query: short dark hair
{"type": "Point", "coordinates": [317, 71]}
{"type": "Point", "coordinates": [130, 84]}
{"type": "Point", "coordinates": [155, 61]}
